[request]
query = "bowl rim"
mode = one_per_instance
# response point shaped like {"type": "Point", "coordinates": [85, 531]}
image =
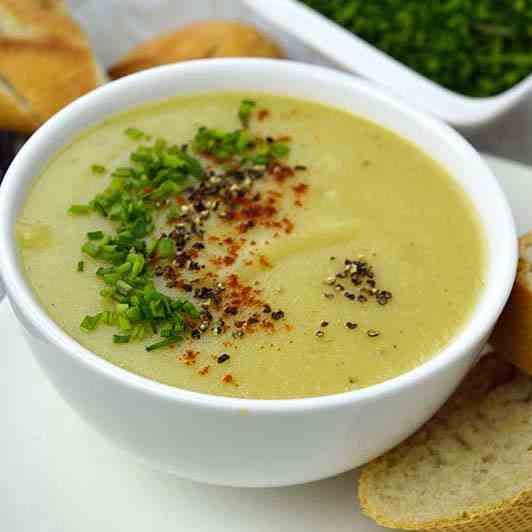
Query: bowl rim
{"type": "Point", "coordinates": [362, 58]}
{"type": "Point", "coordinates": [24, 300]}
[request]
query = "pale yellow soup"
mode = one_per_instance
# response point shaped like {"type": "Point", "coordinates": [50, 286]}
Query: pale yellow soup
{"type": "Point", "coordinates": [370, 194]}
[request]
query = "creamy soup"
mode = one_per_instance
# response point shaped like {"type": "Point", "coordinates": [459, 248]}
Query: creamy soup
{"type": "Point", "coordinates": [267, 248]}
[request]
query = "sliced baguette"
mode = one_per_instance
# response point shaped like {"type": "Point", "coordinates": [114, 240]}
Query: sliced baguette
{"type": "Point", "coordinates": [469, 469]}
{"type": "Point", "coordinates": [45, 62]}
{"type": "Point", "coordinates": [513, 332]}
{"type": "Point", "coordinates": [208, 39]}
{"type": "Point", "coordinates": [16, 113]}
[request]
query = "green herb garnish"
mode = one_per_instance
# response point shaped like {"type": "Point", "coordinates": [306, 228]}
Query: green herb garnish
{"type": "Point", "coordinates": [238, 146]}
{"type": "Point", "coordinates": [79, 209]}
{"type": "Point", "coordinates": [81, 266]}
{"type": "Point", "coordinates": [137, 195]}
{"type": "Point", "coordinates": [245, 110]}
{"type": "Point", "coordinates": [164, 343]}
{"type": "Point", "coordinates": [166, 248]}
{"type": "Point", "coordinates": [90, 323]}
{"type": "Point", "coordinates": [98, 169]}
{"type": "Point", "coordinates": [95, 235]}
{"type": "Point", "coordinates": [133, 133]}
{"type": "Point", "coordinates": [474, 47]}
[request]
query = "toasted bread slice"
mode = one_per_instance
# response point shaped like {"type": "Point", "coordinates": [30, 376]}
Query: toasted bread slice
{"type": "Point", "coordinates": [15, 111]}
{"type": "Point", "coordinates": [513, 332]}
{"type": "Point", "coordinates": [469, 469]}
{"type": "Point", "coordinates": [209, 39]}
{"type": "Point", "coordinates": [45, 62]}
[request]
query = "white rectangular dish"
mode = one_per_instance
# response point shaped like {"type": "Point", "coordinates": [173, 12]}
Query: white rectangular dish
{"type": "Point", "coordinates": [356, 55]}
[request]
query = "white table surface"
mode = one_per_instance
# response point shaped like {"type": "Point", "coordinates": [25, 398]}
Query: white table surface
{"type": "Point", "coordinates": [114, 26]}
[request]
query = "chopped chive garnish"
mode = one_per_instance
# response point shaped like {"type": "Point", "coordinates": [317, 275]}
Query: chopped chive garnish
{"type": "Point", "coordinates": [478, 48]}
{"type": "Point", "coordinates": [244, 112]}
{"type": "Point", "coordinates": [280, 150]}
{"type": "Point", "coordinates": [108, 317]}
{"type": "Point", "coordinates": [239, 145]}
{"type": "Point", "coordinates": [122, 171]}
{"type": "Point", "coordinates": [90, 248]}
{"type": "Point", "coordinates": [166, 248]}
{"type": "Point", "coordinates": [191, 310]}
{"type": "Point", "coordinates": [123, 288]}
{"type": "Point", "coordinates": [150, 246]}
{"type": "Point", "coordinates": [95, 235]}
{"type": "Point", "coordinates": [123, 322]}
{"type": "Point", "coordinates": [134, 133]}
{"type": "Point", "coordinates": [134, 314]}
{"type": "Point", "coordinates": [172, 214]}
{"type": "Point", "coordinates": [139, 195]}
{"type": "Point", "coordinates": [90, 323]}
{"type": "Point", "coordinates": [81, 266]}
{"type": "Point", "coordinates": [164, 343]}
{"type": "Point", "coordinates": [111, 278]}
{"type": "Point", "coordinates": [98, 169]}
{"type": "Point", "coordinates": [123, 268]}
{"type": "Point", "coordinates": [79, 209]}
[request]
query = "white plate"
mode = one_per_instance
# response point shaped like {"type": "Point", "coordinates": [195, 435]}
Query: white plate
{"type": "Point", "coordinates": [358, 56]}
{"type": "Point", "coordinates": [58, 475]}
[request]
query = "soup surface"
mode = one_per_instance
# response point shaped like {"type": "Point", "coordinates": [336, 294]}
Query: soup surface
{"type": "Point", "coordinates": [288, 250]}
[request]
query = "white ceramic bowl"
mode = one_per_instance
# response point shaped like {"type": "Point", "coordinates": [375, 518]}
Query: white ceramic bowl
{"type": "Point", "coordinates": [360, 57]}
{"type": "Point", "coordinates": [255, 442]}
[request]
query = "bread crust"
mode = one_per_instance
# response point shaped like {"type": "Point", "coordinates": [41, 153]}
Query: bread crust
{"type": "Point", "coordinates": [513, 515]}
{"type": "Point", "coordinates": [210, 39]}
{"type": "Point", "coordinates": [510, 515]}
{"type": "Point", "coordinates": [512, 335]}
{"type": "Point", "coordinates": [15, 113]}
{"type": "Point", "coordinates": [45, 62]}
